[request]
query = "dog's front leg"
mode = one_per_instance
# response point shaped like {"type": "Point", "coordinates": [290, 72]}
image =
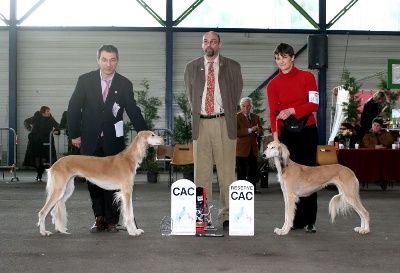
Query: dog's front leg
{"type": "Point", "coordinates": [127, 214]}
{"type": "Point", "coordinates": [290, 208]}
{"type": "Point", "coordinates": [285, 199]}
{"type": "Point", "coordinates": [132, 228]}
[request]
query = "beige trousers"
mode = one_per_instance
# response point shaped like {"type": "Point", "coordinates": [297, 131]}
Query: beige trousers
{"type": "Point", "coordinates": [215, 147]}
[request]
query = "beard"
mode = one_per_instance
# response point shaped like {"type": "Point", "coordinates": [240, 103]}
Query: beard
{"type": "Point", "coordinates": [209, 52]}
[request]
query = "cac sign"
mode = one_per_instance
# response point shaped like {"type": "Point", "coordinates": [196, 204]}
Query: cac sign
{"type": "Point", "coordinates": [241, 208]}
{"type": "Point", "coordinates": [183, 207]}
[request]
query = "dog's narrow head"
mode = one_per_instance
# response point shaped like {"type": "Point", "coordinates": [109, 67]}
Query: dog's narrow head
{"type": "Point", "coordinates": [278, 151]}
{"type": "Point", "coordinates": [151, 138]}
{"type": "Point", "coordinates": [273, 150]}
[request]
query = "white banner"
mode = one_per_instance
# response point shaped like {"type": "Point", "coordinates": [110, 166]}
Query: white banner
{"type": "Point", "coordinates": [241, 208]}
{"type": "Point", "coordinates": [183, 207]}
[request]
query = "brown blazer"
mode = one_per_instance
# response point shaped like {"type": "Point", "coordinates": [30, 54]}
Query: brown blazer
{"type": "Point", "coordinates": [230, 84]}
{"type": "Point", "coordinates": [245, 141]}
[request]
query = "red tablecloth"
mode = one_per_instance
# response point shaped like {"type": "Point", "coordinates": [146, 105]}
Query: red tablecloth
{"type": "Point", "coordinates": [372, 164]}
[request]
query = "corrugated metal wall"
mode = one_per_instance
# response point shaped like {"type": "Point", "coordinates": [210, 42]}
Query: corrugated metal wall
{"type": "Point", "coordinates": [4, 62]}
{"type": "Point", "coordinates": [49, 63]}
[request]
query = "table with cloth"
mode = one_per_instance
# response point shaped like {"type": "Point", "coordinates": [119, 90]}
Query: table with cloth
{"type": "Point", "coordinates": [372, 164]}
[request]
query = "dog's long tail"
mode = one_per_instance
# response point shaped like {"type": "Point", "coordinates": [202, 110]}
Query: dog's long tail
{"type": "Point", "coordinates": [59, 214]}
{"type": "Point", "coordinates": [338, 205]}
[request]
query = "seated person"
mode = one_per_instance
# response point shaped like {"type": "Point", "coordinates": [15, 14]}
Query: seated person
{"type": "Point", "coordinates": [358, 129]}
{"type": "Point", "coordinates": [341, 139]}
{"type": "Point", "coordinates": [377, 137]}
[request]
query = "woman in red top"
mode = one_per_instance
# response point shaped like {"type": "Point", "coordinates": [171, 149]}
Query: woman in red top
{"type": "Point", "coordinates": [294, 92]}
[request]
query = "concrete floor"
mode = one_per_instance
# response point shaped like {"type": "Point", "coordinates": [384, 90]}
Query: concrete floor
{"type": "Point", "coordinates": [334, 248]}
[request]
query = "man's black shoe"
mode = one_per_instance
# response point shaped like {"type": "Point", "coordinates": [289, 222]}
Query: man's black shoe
{"type": "Point", "coordinates": [310, 229]}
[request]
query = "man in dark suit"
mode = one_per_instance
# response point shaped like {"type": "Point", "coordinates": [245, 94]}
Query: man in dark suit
{"type": "Point", "coordinates": [249, 128]}
{"type": "Point", "coordinates": [214, 85]}
{"type": "Point", "coordinates": [95, 125]}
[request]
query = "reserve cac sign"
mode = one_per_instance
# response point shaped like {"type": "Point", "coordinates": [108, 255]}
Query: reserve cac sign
{"type": "Point", "coordinates": [241, 208]}
{"type": "Point", "coordinates": [183, 207]}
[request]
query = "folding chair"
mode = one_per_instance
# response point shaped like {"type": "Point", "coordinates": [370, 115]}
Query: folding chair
{"type": "Point", "coordinates": [164, 155]}
{"type": "Point", "coordinates": [183, 156]}
{"type": "Point", "coordinates": [326, 155]}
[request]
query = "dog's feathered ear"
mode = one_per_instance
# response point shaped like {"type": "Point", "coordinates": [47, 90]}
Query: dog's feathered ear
{"type": "Point", "coordinates": [283, 155]}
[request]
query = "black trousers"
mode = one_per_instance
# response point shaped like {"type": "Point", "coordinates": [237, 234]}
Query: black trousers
{"type": "Point", "coordinates": [303, 150]}
{"type": "Point", "coordinates": [246, 168]}
{"type": "Point", "coordinates": [103, 200]}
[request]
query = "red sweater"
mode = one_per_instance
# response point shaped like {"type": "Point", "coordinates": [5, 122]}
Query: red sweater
{"type": "Point", "coordinates": [291, 91]}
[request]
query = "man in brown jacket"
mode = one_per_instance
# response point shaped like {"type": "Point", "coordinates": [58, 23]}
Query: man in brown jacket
{"type": "Point", "coordinates": [249, 128]}
{"type": "Point", "coordinates": [377, 137]}
{"type": "Point", "coordinates": [214, 86]}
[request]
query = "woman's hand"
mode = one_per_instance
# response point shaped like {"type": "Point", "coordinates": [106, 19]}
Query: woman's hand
{"type": "Point", "coordinates": [284, 114]}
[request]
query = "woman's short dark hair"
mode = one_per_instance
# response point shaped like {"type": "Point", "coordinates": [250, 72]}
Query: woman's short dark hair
{"type": "Point", "coordinates": [378, 120]}
{"type": "Point", "coordinates": [283, 49]}
{"type": "Point", "coordinates": [347, 125]}
{"type": "Point", "coordinates": [43, 109]}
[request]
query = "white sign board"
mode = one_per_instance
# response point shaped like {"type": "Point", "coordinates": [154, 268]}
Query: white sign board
{"type": "Point", "coordinates": [183, 207]}
{"type": "Point", "coordinates": [241, 208]}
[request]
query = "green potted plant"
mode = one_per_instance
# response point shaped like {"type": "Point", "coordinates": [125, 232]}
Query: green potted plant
{"type": "Point", "coordinates": [149, 107]}
{"type": "Point", "coordinates": [350, 108]}
{"type": "Point", "coordinates": [182, 131]}
{"type": "Point", "coordinates": [257, 98]}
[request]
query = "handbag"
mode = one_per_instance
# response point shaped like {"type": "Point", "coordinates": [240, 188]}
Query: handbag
{"type": "Point", "coordinates": [295, 125]}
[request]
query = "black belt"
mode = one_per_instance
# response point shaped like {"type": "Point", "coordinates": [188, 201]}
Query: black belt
{"type": "Point", "coordinates": [212, 116]}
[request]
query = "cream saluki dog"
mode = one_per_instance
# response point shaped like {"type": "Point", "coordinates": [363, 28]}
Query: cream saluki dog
{"type": "Point", "coordinates": [299, 181]}
{"type": "Point", "coordinates": [111, 173]}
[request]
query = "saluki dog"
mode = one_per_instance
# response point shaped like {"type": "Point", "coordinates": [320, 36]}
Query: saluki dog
{"type": "Point", "coordinates": [300, 181]}
{"type": "Point", "coordinates": [111, 173]}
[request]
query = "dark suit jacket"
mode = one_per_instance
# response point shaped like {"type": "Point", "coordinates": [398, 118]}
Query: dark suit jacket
{"type": "Point", "coordinates": [247, 142]}
{"type": "Point", "coordinates": [370, 111]}
{"type": "Point", "coordinates": [88, 115]}
{"type": "Point", "coordinates": [230, 84]}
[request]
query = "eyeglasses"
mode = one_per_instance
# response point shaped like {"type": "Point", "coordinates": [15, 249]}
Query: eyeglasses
{"type": "Point", "coordinates": [212, 42]}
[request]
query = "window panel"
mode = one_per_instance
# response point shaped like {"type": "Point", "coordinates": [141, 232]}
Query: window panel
{"type": "Point", "coordinates": [272, 14]}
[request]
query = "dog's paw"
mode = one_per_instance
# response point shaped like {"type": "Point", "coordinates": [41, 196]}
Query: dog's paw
{"type": "Point", "coordinates": [62, 230]}
{"type": "Point", "coordinates": [279, 231]}
{"type": "Point", "coordinates": [45, 233]}
{"type": "Point", "coordinates": [136, 232]}
{"type": "Point", "coordinates": [361, 230]}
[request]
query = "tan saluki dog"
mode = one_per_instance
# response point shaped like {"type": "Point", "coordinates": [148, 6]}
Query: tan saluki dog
{"type": "Point", "coordinates": [111, 173]}
{"type": "Point", "coordinates": [300, 181]}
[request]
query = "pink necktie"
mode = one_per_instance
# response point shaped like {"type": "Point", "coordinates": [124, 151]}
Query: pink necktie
{"type": "Point", "coordinates": [106, 89]}
{"type": "Point", "coordinates": [210, 89]}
